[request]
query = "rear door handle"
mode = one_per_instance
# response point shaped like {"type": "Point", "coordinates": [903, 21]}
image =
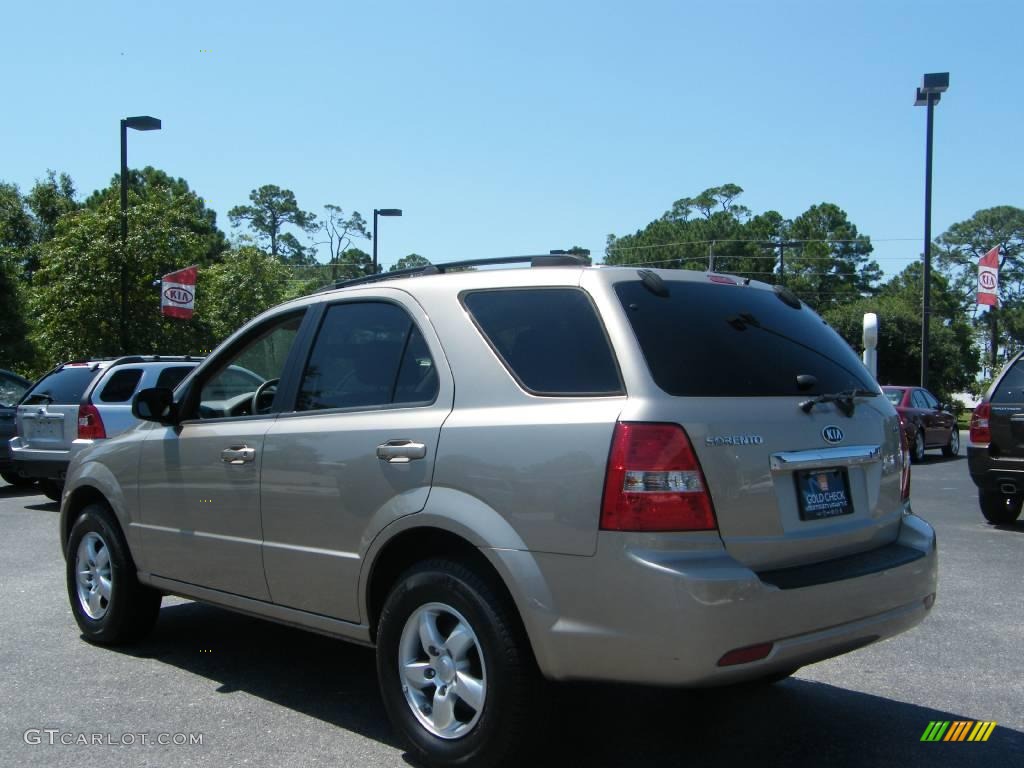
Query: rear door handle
{"type": "Point", "coordinates": [238, 454]}
{"type": "Point", "coordinates": [400, 451]}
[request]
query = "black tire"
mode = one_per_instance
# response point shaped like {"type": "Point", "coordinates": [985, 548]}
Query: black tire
{"type": "Point", "coordinates": [952, 448]}
{"type": "Point", "coordinates": [51, 489]}
{"type": "Point", "coordinates": [13, 478]}
{"type": "Point", "coordinates": [131, 610]}
{"type": "Point", "coordinates": [998, 508]}
{"type": "Point", "coordinates": [506, 720]}
{"type": "Point", "coordinates": [917, 448]}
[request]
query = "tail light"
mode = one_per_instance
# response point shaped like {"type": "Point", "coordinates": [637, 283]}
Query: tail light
{"type": "Point", "coordinates": [90, 424]}
{"type": "Point", "coordinates": [654, 482]}
{"type": "Point", "coordinates": [905, 472]}
{"type": "Point", "coordinates": [980, 431]}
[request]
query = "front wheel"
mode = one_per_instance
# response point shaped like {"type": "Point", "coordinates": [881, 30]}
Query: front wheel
{"type": "Point", "coordinates": [456, 673]}
{"type": "Point", "coordinates": [108, 602]}
{"type": "Point", "coordinates": [952, 448]}
{"type": "Point", "coordinates": [917, 449]}
{"type": "Point", "coordinates": [998, 508]}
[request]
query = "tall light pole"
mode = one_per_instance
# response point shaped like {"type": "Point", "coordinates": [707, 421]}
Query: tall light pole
{"type": "Point", "coordinates": [928, 95]}
{"type": "Point", "coordinates": [140, 123]}
{"type": "Point", "coordinates": [381, 212]}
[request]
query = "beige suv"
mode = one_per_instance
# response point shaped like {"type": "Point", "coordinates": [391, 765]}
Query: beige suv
{"type": "Point", "coordinates": [496, 476]}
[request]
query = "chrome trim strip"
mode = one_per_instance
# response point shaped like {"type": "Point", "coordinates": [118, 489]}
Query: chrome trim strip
{"type": "Point", "coordinates": [846, 456]}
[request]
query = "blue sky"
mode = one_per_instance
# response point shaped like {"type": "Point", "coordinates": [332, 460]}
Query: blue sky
{"type": "Point", "coordinates": [504, 128]}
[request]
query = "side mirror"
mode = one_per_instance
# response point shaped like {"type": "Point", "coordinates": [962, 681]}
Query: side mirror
{"type": "Point", "coordinates": [155, 404]}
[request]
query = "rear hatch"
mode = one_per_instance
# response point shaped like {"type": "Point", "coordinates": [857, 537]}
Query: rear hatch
{"type": "Point", "coordinates": [1006, 417]}
{"type": "Point", "coordinates": [795, 476]}
{"type": "Point", "coordinates": [48, 416]}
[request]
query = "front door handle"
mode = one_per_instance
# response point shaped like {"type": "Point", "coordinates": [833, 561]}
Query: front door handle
{"type": "Point", "coordinates": [238, 454]}
{"type": "Point", "coordinates": [400, 451]}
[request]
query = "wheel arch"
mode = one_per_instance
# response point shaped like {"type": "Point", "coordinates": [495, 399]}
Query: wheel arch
{"type": "Point", "coordinates": [512, 571]}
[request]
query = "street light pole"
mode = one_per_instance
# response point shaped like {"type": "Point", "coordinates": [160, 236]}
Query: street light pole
{"type": "Point", "coordinates": [928, 95]}
{"type": "Point", "coordinates": [140, 123]}
{"type": "Point", "coordinates": [381, 212]}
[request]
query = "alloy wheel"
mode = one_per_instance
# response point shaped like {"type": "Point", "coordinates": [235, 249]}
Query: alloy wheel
{"type": "Point", "coordinates": [443, 670]}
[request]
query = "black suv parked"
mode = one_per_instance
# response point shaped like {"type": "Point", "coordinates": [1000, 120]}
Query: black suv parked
{"type": "Point", "coordinates": [996, 448]}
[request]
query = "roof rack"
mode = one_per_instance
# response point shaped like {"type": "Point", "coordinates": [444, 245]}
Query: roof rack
{"type": "Point", "coordinates": [539, 260]}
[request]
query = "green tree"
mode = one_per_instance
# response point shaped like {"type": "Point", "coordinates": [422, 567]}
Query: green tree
{"type": "Point", "coordinates": [336, 231]}
{"type": "Point", "coordinates": [410, 261]}
{"type": "Point", "coordinates": [246, 282]}
{"type": "Point", "coordinates": [958, 250]}
{"type": "Point", "coordinates": [15, 350]}
{"type": "Point", "coordinates": [76, 298]}
{"type": "Point", "coordinates": [48, 200]}
{"type": "Point", "coordinates": [830, 265]}
{"type": "Point", "coordinates": [272, 209]}
{"type": "Point", "coordinates": [826, 262]}
{"type": "Point", "coordinates": [953, 357]}
{"type": "Point", "coordinates": [153, 185]}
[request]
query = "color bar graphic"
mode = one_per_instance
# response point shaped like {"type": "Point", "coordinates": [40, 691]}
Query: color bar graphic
{"type": "Point", "coordinates": [958, 730]}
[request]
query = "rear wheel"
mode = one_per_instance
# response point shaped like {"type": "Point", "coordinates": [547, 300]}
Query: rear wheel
{"type": "Point", "coordinates": [13, 478]}
{"type": "Point", "coordinates": [953, 447]}
{"type": "Point", "coordinates": [456, 673]}
{"type": "Point", "coordinates": [917, 449]}
{"type": "Point", "coordinates": [999, 508]}
{"type": "Point", "coordinates": [107, 600]}
{"type": "Point", "coordinates": [51, 489]}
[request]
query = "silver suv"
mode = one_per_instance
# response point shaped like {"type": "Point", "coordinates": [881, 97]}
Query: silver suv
{"type": "Point", "coordinates": [496, 476]}
{"type": "Point", "coordinates": [78, 403]}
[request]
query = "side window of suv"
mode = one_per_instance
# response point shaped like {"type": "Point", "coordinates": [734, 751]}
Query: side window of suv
{"type": "Point", "coordinates": [367, 354]}
{"type": "Point", "coordinates": [121, 385]}
{"type": "Point", "coordinates": [550, 339]}
{"type": "Point", "coordinates": [245, 382]}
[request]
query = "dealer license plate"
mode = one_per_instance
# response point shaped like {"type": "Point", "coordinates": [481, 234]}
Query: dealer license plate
{"type": "Point", "coordinates": [823, 493]}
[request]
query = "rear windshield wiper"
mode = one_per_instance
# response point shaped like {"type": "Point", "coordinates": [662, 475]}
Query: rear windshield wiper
{"type": "Point", "coordinates": [844, 400]}
{"type": "Point", "coordinates": [39, 397]}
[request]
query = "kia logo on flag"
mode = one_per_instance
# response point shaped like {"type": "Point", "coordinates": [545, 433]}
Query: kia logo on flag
{"type": "Point", "coordinates": [988, 278]}
{"type": "Point", "coordinates": [179, 295]}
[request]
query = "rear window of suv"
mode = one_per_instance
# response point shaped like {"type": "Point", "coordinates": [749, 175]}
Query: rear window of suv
{"type": "Point", "coordinates": [1011, 386]}
{"type": "Point", "coordinates": [63, 387]}
{"type": "Point", "coordinates": [710, 340]}
{"type": "Point", "coordinates": [550, 339]}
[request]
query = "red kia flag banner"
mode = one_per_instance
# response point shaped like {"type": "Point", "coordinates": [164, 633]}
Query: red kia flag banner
{"type": "Point", "coordinates": [178, 293]}
{"type": "Point", "coordinates": [988, 278]}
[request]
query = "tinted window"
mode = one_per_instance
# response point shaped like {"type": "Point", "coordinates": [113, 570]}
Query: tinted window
{"type": "Point", "coordinates": [550, 339]}
{"type": "Point", "coordinates": [929, 399]}
{"type": "Point", "coordinates": [63, 387]}
{"type": "Point", "coordinates": [121, 385]}
{"type": "Point", "coordinates": [713, 340]}
{"type": "Point", "coordinates": [367, 354]}
{"type": "Point", "coordinates": [919, 400]}
{"type": "Point", "coordinates": [169, 378]}
{"type": "Point", "coordinates": [1011, 386]}
{"type": "Point", "coordinates": [11, 391]}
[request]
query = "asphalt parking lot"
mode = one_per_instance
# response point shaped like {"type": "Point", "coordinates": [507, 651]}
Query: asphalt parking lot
{"type": "Point", "coordinates": [260, 694]}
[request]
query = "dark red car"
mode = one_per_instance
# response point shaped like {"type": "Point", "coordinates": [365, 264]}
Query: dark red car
{"type": "Point", "coordinates": [926, 423]}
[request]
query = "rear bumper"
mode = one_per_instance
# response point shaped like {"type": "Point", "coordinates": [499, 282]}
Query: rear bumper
{"type": "Point", "coordinates": [39, 464]}
{"type": "Point", "coordinates": [666, 617]}
{"type": "Point", "coordinates": [995, 473]}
